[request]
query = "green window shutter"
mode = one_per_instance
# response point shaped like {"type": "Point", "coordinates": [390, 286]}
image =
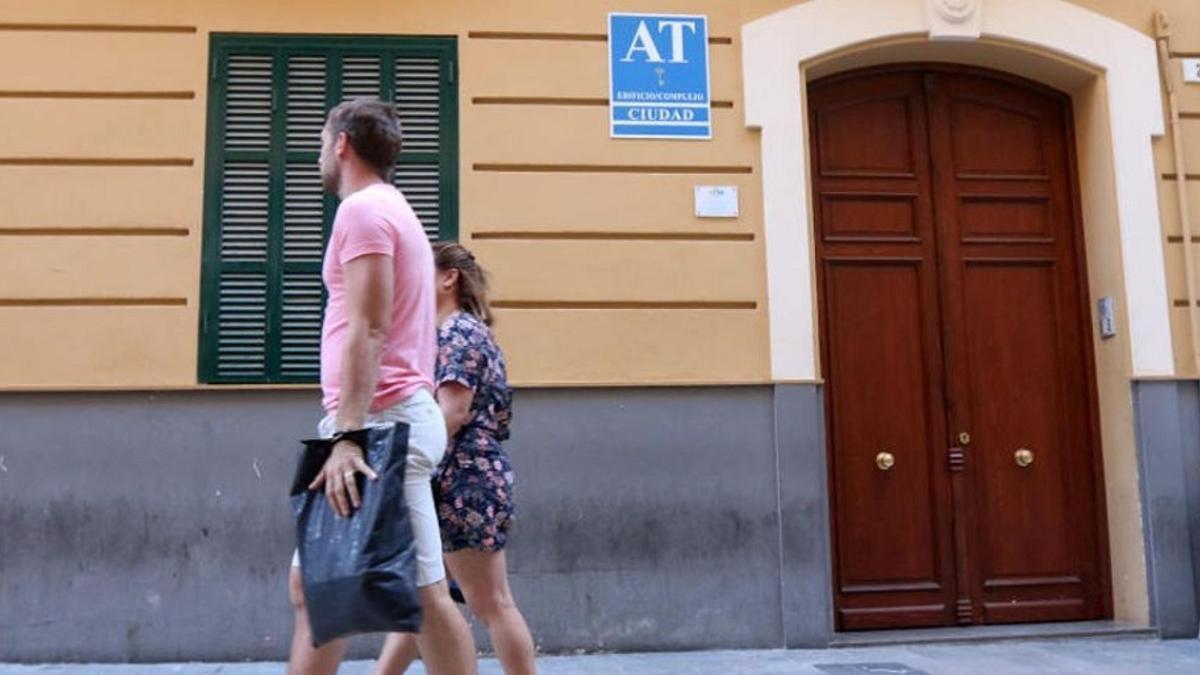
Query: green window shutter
{"type": "Point", "coordinates": [244, 235]}
{"type": "Point", "coordinates": [306, 216]}
{"type": "Point", "coordinates": [267, 218]}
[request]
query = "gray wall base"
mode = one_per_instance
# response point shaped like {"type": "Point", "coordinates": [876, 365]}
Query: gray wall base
{"type": "Point", "coordinates": [1168, 439]}
{"type": "Point", "coordinates": [805, 542]}
{"type": "Point", "coordinates": [155, 527]}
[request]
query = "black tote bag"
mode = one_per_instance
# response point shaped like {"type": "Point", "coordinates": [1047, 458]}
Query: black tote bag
{"type": "Point", "coordinates": [359, 573]}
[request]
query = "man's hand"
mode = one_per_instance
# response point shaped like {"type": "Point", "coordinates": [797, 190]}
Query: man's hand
{"type": "Point", "coordinates": [338, 476]}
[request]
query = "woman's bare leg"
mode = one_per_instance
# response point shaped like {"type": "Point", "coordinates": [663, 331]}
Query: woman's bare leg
{"type": "Point", "coordinates": [483, 577]}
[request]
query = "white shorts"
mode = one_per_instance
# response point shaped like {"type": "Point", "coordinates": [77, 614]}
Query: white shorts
{"type": "Point", "coordinates": [426, 445]}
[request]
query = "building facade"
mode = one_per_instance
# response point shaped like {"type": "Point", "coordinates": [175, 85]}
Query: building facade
{"type": "Point", "coordinates": [940, 368]}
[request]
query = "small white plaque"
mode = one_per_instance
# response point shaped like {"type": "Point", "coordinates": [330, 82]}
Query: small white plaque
{"type": "Point", "coordinates": [716, 201]}
{"type": "Point", "coordinates": [1191, 70]}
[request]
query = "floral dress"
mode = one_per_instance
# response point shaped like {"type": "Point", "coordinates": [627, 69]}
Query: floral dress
{"type": "Point", "coordinates": [475, 482]}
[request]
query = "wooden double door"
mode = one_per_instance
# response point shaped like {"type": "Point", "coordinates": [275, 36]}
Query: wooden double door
{"type": "Point", "coordinates": [961, 414]}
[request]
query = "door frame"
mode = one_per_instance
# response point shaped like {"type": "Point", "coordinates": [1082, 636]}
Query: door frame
{"type": "Point", "coordinates": [1110, 71]}
{"type": "Point", "coordinates": [1082, 315]}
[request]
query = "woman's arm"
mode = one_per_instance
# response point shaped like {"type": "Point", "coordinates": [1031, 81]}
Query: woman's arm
{"type": "Point", "coordinates": [455, 402]}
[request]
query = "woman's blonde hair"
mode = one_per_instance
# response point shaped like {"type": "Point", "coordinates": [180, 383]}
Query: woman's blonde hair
{"type": "Point", "coordinates": [472, 279]}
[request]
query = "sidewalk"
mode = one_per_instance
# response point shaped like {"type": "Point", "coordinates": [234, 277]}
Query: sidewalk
{"type": "Point", "coordinates": [1093, 657]}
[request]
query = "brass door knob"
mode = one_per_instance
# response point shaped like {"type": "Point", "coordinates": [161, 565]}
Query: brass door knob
{"type": "Point", "coordinates": [885, 461]}
{"type": "Point", "coordinates": [1023, 457]}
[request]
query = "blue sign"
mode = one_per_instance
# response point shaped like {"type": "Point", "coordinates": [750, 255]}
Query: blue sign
{"type": "Point", "coordinates": [658, 76]}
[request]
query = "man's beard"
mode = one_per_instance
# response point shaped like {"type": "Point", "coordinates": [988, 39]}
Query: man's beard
{"type": "Point", "coordinates": [332, 182]}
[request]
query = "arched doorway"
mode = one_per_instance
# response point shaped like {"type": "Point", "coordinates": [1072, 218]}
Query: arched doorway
{"type": "Point", "coordinates": [960, 392]}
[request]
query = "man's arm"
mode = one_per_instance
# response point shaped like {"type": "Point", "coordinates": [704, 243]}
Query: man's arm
{"type": "Point", "coordinates": [369, 287]}
{"type": "Point", "coordinates": [369, 281]}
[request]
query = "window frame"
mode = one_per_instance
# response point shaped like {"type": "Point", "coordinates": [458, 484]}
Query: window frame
{"type": "Point", "coordinates": [280, 48]}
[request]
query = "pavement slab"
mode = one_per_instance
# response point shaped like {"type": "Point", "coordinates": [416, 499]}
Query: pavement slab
{"type": "Point", "coordinates": [1049, 657]}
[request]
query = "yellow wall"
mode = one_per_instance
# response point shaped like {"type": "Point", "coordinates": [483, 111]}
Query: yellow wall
{"type": "Point", "coordinates": [601, 277]}
{"type": "Point", "coordinates": [114, 300]}
{"type": "Point", "coordinates": [1185, 41]}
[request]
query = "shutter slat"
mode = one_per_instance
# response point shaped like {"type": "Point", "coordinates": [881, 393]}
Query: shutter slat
{"type": "Point", "coordinates": [300, 353]}
{"type": "Point", "coordinates": [418, 102]}
{"type": "Point", "coordinates": [360, 77]}
{"type": "Point", "coordinates": [420, 185]}
{"type": "Point", "coordinates": [248, 103]}
{"type": "Point", "coordinates": [242, 325]}
{"type": "Point", "coordinates": [304, 213]}
{"type": "Point", "coordinates": [306, 102]}
{"type": "Point", "coordinates": [244, 212]}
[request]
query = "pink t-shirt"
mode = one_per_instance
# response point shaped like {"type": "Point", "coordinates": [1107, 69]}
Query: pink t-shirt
{"type": "Point", "coordinates": [377, 219]}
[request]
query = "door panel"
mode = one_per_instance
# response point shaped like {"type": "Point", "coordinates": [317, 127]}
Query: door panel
{"type": "Point", "coordinates": [954, 337]}
{"type": "Point", "coordinates": [894, 553]}
{"type": "Point", "coordinates": [990, 138]}
{"type": "Point", "coordinates": [881, 408]}
{"type": "Point", "coordinates": [994, 217]}
{"type": "Point", "coordinates": [868, 135]}
{"type": "Point", "coordinates": [1023, 531]}
{"type": "Point", "coordinates": [1016, 344]}
{"type": "Point", "coordinates": [850, 216]}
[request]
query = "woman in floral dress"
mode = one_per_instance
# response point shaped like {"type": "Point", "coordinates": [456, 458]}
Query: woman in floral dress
{"type": "Point", "coordinates": [474, 489]}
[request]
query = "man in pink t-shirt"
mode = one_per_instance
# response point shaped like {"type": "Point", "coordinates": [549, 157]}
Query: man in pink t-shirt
{"type": "Point", "coordinates": [378, 347]}
{"type": "Point", "coordinates": [377, 220]}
